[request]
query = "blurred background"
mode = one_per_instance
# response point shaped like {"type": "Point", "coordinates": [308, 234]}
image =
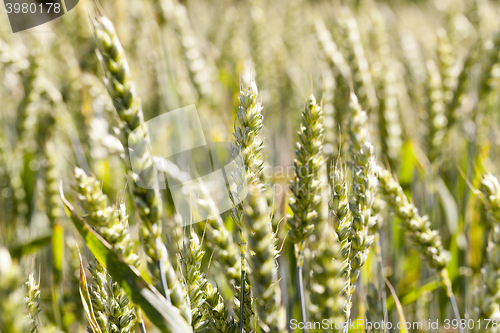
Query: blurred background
{"type": "Point", "coordinates": [425, 71]}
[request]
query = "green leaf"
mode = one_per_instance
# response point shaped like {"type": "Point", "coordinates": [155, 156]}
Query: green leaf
{"type": "Point", "coordinates": [155, 306]}
{"type": "Point", "coordinates": [30, 247]}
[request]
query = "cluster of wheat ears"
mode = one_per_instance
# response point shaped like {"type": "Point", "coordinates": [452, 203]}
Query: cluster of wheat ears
{"type": "Point", "coordinates": [391, 212]}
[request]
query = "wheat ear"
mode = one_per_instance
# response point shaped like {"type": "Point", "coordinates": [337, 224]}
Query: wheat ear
{"type": "Point", "coordinates": [148, 202]}
{"type": "Point", "coordinates": [262, 261]}
{"type": "Point", "coordinates": [195, 281]}
{"type": "Point", "coordinates": [112, 308]}
{"type": "Point", "coordinates": [341, 217]}
{"type": "Point", "coordinates": [426, 240]}
{"type": "Point", "coordinates": [365, 188]}
{"type": "Point", "coordinates": [32, 301]}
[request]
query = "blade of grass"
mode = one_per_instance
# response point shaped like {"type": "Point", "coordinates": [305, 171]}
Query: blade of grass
{"type": "Point", "coordinates": [399, 307]}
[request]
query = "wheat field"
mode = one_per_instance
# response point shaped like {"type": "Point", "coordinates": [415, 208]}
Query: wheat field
{"type": "Point", "coordinates": [357, 140]}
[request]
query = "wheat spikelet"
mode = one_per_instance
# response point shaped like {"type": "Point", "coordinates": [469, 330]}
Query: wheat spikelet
{"type": "Point", "coordinates": [445, 64]}
{"type": "Point", "coordinates": [305, 187]}
{"type": "Point", "coordinates": [342, 223]}
{"type": "Point", "coordinates": [195, 281]}
{"type": "Point", "coordinates": [355, 56]}
{"type": "Point", "coordinates": [32, 301]}
{"type": "Point", "coordinates": [426, 240]}
{"type": "Point", "coordinates": [329, 299]}
{"type": "Point", "coordinates": [216, 312]}
{"type": "Point", "coordinates": [110, 222]}
{"type": "Point", "coordinates": [262, 261]}
{"type": "Point", "coordinates": [13, 318]}
{"type": "Point", "coordinates": [112, 308]}
{"type": "Point", "coordinates": [365, 188]}
{"type": "Point", "coordinates": [486, 301]}
{"type": "Point", "coordinates": [463, 81]}
{"type": "Point", "coordinates": [436, 113]}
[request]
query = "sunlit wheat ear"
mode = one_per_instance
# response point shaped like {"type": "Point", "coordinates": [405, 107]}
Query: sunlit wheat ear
{"type": "Point", "coordinates": [306, 200]}
{"type": "Point", "coordinates": [52, 200]}
{"type": "Point", "coordinates": [436, 114]}
{"type": "Point", "coordinates": [112, 308]}
{"type": "Point", "coordinates": [247, 171]}
{"type": "Point", "coordinates": [32, 300]}
{"type": "Point", "coordinates": [261, 242]}
{"type": "Point", "coordinates": [364, 188]}
{"type": "Point", "coordinates": [374, 312]}
{"type": "Point", "coordinates": [13, 312]}
{"type": "Point", "coordinates": [249, 318]}
{"type": "Point", "coordinates": [216, 312]}
{"type": "Point", "coordinates": [389, 125]}
{"type": "Point", "coordinates": [488, 79]}
{"type": "Point", "coordinates": [218, 238]}
{"type": "Point", "coordinates": [426, 240]}
{"type": "Point", "coordinates": [485, 300]}
{"type": "Point", "coordinates": [148, 202]}
{"type": "Point", "coordinates": [446, 65]}
{"type": "Point", "coordinates": [485, 303]}
{"type": "Point", "coordinates": [328, 294]}
{"type": "Point", "coordinates": [110, 222]}
{"type": "Point", "coordinates": [355, 56]}
{"type": "Point", "coordinates": [341, 217]}
{"type": "Point", "coordinates": [460, 91]}
{"type": "Point", "coordinates": [195, 281]}
{"type": "Point", "coordinates": [490, 189]}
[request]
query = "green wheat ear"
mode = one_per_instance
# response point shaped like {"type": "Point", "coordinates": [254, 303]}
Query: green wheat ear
{"type": "Point", "coordinates": [306, 200]}
{"type": "Point", "coordinates": [341, 217]}
{"type": "Point", "coordinates": [418, 230]}
{"type": "Point", "coordinates": [195, 281]}
{"type": "Point", "coordinates": [32, 301]}
{"type": "Point", "coordinates": [328, 296]}
{"type": "Point", "coordinates": [262, 242]}
{"type": "Point", "coordinates": [148, 202]}
{"type": "Point", "coordinates": [13, 312]}
{"type": "Point", "coordinates": [485, 302]}
{"type": "Point", "coordinates": [365, 188]}
{"type": "Point", "coordinates": [112, 308]}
